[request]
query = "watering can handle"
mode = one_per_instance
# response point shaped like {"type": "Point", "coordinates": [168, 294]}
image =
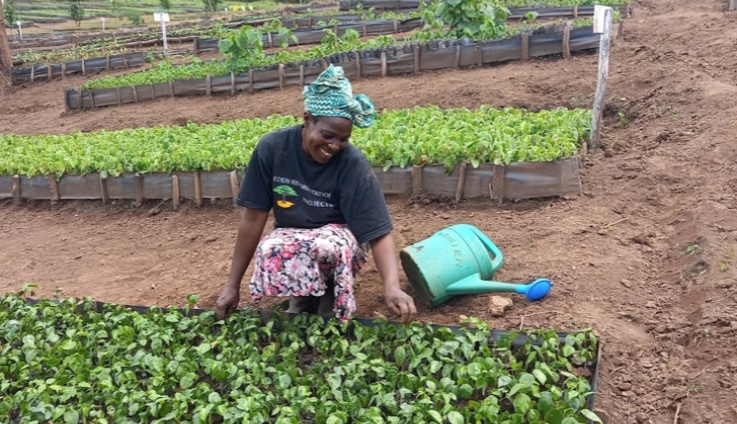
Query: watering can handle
{"type": "Point", "coordinates": [496, 263]}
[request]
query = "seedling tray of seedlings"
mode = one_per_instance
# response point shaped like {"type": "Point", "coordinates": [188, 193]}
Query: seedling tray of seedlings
{"type": "Point", "coordinates": [72, 360]}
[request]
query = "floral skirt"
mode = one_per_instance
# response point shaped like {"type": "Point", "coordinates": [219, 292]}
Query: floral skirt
{"type": "Point", "coordinates": [306, 262]}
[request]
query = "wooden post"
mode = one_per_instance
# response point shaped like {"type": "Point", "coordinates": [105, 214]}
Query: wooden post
{"type": "Point", "coordinates": [461, 181]}
{"type": "Point", "coordinates": [458, 57]}
{"type": "Point", "coordinates": [33, 72]}
{"type": "Point", "coordinates": [383, 64]}
{"type": "Point", "coordinates": [103, 190]}
{"type": "Point", "coordinates": [525, 46]}
{"type": "Point", "coordinates": [497, 183]}
{"type": "Point", "coordinates": [301, 74]}
{"type": "Point", "coordinates": [208, 85]}
{"type": "Point", "coordinates": [175, 195]}
{"type": "Point", "coordinates": [16, 189]}
{"type": "Point", "coordinates": [281, 76]}
{"type": "Point", "coordinates": [601, 80]}
{"type": "Point", "coordinates": [53, 187]}
{"type": "Point", "coordinates": [567, 40]}
{"type": "Point", "coordinates": [416, 179]}
{"type": "Point", "coordinates": [84, 69]}
{"type": "Point", "coordinates": [197, 188]}
{"type": "Point", "coordinates": [358, 65]}
{"type": "Point", "coordinates": [250, 81]}
{"type": "Point", "coordinates": [732, 4]}
{"type": "Point", "coordinates": [234, 185]}
{"type": "Point", "coordinates": [417, 58]}
{"type": "Point", "coordinates": [63, 69]}
{"type": "Point", "coordinates": [139, 189]}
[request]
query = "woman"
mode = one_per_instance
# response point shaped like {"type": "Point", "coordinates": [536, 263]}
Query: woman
{"type": "Point", "coordinates": [328, 210]}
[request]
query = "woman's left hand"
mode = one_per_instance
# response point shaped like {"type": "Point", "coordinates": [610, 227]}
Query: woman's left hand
{"type": "Point", "coordinates": [401, 303]}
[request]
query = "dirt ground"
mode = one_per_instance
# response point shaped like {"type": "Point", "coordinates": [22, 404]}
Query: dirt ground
{"type": "Point", "coordinates": [646, 255]}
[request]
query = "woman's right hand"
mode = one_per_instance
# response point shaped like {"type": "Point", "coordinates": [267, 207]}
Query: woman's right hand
{"type": "Point", "coordinates": [227, 303]}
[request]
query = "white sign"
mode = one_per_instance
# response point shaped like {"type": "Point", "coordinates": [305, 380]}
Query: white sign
{"type": "Point", "coordinates": [161, 17]}
{"type": "Point", "coordinates": [599, 15]}
{"type": "Point", "coordinates": [103, 23]}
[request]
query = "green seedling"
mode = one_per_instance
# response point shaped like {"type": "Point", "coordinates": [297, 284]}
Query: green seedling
{"type": "Point", "coordinates": [69, 362]}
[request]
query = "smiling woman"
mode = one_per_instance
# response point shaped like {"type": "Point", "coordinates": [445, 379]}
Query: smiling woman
{"type": "Point", "coordinates": [328, 207]}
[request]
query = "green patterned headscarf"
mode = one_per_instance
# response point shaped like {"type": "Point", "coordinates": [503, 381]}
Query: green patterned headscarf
{"type": "Point", "coordinates": [331, 95]}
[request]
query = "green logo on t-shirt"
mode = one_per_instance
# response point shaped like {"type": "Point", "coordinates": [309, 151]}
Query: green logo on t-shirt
{"type": "Point", "coordinates": [285, 191]}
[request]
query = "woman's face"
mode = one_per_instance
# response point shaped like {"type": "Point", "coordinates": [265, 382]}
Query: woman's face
{"type": "Point", "coordinates": [323, 139]}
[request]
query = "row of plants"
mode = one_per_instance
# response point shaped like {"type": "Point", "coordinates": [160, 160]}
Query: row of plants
{"type": "Point", "coordinates": [65, 361]}
{"type": "Point", "coordinates": [418, 136]}
{"type": "Point", "coordinates": [244, 50]}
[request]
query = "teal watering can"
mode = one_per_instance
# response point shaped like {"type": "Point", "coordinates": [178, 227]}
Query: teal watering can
{"type": "Point", "coordinates": [459, 260]}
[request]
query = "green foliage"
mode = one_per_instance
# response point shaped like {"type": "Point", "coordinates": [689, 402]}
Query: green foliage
{"type": "Point", "coordinates": [76, 10]}
{"type": "Point", "coordinates": [134, 16]}
{"type": "Point", "coordinates": [9, 13]}
{"type": "Point", "coordinates": [242, 56]}
{"type": "Point", "coordinates": [475, 19]}
{"type": "Point", "coordinates": [67, 362]}
{"type": "Point", "coordinates": [423, 135]}
{"type": "Point", "coordinates": [165, 4]}
{"type": "Point", "coordinates": [243, 49]}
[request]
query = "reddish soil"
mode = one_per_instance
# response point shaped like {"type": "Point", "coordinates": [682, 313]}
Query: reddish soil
{"type": "Point", "coordinates": [646, 256]}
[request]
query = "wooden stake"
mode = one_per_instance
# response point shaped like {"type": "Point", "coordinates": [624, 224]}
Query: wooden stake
{"type": "Point", "coordinates": [383, 64]}
{"type": "Point", "coordinates": [79, 99]}
{"type": "Point", "coordinates": [103, 190]}
{"type": "Point", "coordinates": [358, 65]}
{"type": "Point", "coordinates": [84, 69]}
{"type": "Point", "coordinates": [458, 56]}
{"type": "Point", "coordinates": [601, 80]}
{"type": "Point", "coordinates": [175, 195]}
{"type": "Point", "coordinates": [268, 37]}
{"type": "Point", "coordinates": [208, 85]}
{"type": "Point", "coordinates": [197, 188]}
{"type": "Point", "coordinates": [107, 63]}
{"type": "Point", "coordinates": [33, 72]}
{"type": "Point", "coordinates": [232, 85]}
{"type": "Point", "coordinates": [135, 93]}
{"type": "Point", "coordinates": [16, 189]}
{"type": "Point", "coordinates": [301, 74]}
{"type": "Point", "coordinates": [92, 98]}
{"type": "Point", "coordinates": [417, 58]}
{"type": "Point", "coordinates": [63, 69]}
{"type": "Point", "coordinates": [497, 183]}
{"type": "Point", "coordinates": [120, 100]}
{"type": "Point", "coordinates": [575, 11]}
{"type": "Point", "coordinates": [53, 187]}
{"type": "Point", "coordinates": [364, 30]}
{"type": "Point", "coordinates": [139, 189]}
{"type": "Point", "coordinates": [50, 72]}
{"type": "Point", "coordinates": [125, 61]}
{"type": "Point", "coordinates": [525, 46]}
{"type": "Point", "coordinates": [479, 56]}
{"type": "Point", "coordinates": [250, 81]}
{"type": "Point", "coordinates": [234, 185]}
{"type": "Point", "coordinates": [620, 28]}
{"type": "Point", "coordinates": [281, 76]}
{"type": "Point", "coordinates": [416, 179]}
{"type": "Point", "coordinates": [567, 40]}
{"type": "Point", "coordinates": [153, 92]}
{"type": "Point", "coordinates": [396, 27]}
{"type": "Point", "coordinates": [461, 181]}
{"type": "Point", "coordinates": [171, 88]}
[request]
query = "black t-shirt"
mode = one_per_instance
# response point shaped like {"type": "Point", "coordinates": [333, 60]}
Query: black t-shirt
{"type": "Point", "coordinates": [306, 194]}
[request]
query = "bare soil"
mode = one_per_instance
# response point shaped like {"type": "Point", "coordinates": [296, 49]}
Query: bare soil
{"type": "Point", "coordinates": [646, 255]}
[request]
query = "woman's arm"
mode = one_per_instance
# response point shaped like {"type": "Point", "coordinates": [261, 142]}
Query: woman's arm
{"type": "Point", "coordinates": [386, 262]}
{"type": "Point", "coordinates": [250, 228]}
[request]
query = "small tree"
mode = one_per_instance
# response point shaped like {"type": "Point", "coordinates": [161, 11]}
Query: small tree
{"type": "Point", "coordinates": [10, 13]}
{"type": "Point", "coordinates": [165, 4]}
{"type": "Point", "coordinates": [212, 5]}
{"type": "Point", "coordinates": [76, 11]}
